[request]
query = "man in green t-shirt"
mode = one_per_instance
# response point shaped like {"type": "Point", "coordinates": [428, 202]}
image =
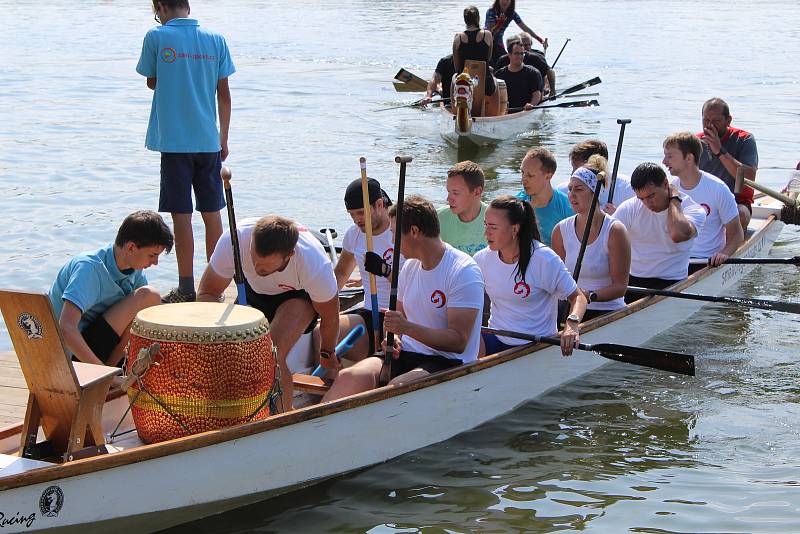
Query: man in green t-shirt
{"type": "Point", "coordinates": [461, 221]}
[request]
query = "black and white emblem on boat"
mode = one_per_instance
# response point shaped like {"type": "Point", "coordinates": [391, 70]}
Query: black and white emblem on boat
{"type": "Point", "coordinates": [51, 501]}
{"type": "Point", "coordinates": [30, 325]}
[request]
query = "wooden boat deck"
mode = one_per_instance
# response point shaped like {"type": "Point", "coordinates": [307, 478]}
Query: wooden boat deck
{"type": "Point", "coordinates": [13, 391]}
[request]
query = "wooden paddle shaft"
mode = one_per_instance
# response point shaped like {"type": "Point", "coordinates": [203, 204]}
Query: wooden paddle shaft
{"type": "Point", "coordinates": [373, 287]}
{"type": "Point", "coordinates": [742, 181]}
{"type": "Point", "coordinates": [613, 185]}
{"type": "Point", "coordinates": [238, 274]}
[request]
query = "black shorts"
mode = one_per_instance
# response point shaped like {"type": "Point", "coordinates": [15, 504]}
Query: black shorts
{"type": "Point", "coordinates": [694, 267]}
{"type": "Point", "coordinates": [101, 338]}
{"type": "Point", "coordinates": [366, 316]}
{"type": "Point", "coordinates": [183, 172]}
{"type": "Point", "coordinates": [269, 304]}
{"type": "Point", "coordinates": [432, 363]}
{"type": "Point", "coordinates": [649, 283]}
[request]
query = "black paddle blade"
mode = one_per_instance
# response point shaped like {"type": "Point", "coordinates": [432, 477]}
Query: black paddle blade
{"type": "Point", "coordinates": [581, 86]}
{"type": "Point", "coordinates": [774, 305]}
{"type": "Point", "coordinates": [673, 362]}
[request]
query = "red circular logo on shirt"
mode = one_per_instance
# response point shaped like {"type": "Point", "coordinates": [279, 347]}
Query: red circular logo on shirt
{"type": "Point", "coordinates": [521, 288]}
{"type": "Point", "coordinates": [286, 287]}
{"type": "Point", "coordinates": [388, 253]}
{"type": "Point", "coordinates": [707, 208]}
{"type": "Point", "coordinates": [438, 298]}
{"type": "Point", "coordinates": [168, 55]}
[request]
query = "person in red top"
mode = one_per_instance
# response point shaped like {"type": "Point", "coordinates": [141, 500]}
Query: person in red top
{"type": "Point", "coordinates": [725, 150]}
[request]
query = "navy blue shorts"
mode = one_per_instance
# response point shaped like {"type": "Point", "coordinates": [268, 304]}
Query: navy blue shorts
{"type": "Point", "coordinates": [101, 338]}
{"type": "Point", "coordinates": [432, 363]}
{"type": "Point", "coordinates": [494, 345]}
{"type": "Point", "coordinates": [182, 172]}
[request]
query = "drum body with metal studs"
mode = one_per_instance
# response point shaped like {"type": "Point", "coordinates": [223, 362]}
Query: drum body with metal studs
{"type": "Point", "coordinates": [214, 367]}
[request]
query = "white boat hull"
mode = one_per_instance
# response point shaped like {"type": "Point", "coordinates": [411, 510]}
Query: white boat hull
{"type": "Point", "coordinates": [156, 486]}
{"type": "Point", "coordinates": [487, 130]}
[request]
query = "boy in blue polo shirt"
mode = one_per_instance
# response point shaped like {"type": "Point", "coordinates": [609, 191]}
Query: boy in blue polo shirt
{"type": "Point", "coordinates": [187, 67]}
{"type": "Point", "coordinates": [97, 294]}
{"type": "Point", "coordinates": [550, 205]}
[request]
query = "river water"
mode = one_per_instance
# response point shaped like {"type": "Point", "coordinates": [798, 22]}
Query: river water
{"type": "Point", "coordinates": [623, 449]}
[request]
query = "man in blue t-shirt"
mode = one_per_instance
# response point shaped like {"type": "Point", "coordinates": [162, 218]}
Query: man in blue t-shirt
{"type": "Point", "coordinates": [550, 205]}
{"type": "Point", "coordinates": [187, 67]}
{"type": "Point", "coordinates": [97, 294]}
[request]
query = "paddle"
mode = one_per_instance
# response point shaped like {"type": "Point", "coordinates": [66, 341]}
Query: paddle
{"type": "Point", "coordinates": [343, 347]}
{"type": "Point", "coordinates": [622, 123]}
{"type": "Point", "coordinates": [553, 66]}
{"type": "Point", "coordinates": [373, 287]}
{"type": "Point", "coordinates": [415, 103]}
{"type": "Point", "coordinates": [741, 180]}
{"type": "Point", "coordinates": [575, 88]}
{"type": "Point", "coordinates": [331, 246]}
{"type": "Point", "coordinates": [795, 260]}
{"type": "Point", "coordinates": [411, 79]}
{"type": "Point", "coordinates": [238, 274]}
{"type": "Point", "coordinates": [673, 362]}
{"type": "Point", "coordinates": [574, 104]}
{"type": "Point", "coordinates": [386, 368]}
{"type": "Point", "coordinates": [774, 305]}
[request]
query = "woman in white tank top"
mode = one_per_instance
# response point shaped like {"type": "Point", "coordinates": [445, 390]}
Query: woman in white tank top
{"type": "Point", "coordinates": [607, 259]}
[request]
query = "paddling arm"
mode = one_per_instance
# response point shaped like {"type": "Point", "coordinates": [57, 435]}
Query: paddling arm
{"type": "Point", "coordinates": [344, 268]}
{"type": "Point", "coordinates": [734, 237]}
{"type": "Point", "coordinates": [212, 286]}
{"type": "Point", "coordinates": [619, 264]}
{"type": "Point", "coordinates": [542, 40]}
{"type": "Point", "coordinates": [454, 338]}
{"type": "Point", "coordinates": [570, 336]}
{"type": "Point", "coordinates": [224, 105]}
{"type": "Point", "coordinates": [68, 324]}
{"type": "Point", "coordinates": [328, 323]}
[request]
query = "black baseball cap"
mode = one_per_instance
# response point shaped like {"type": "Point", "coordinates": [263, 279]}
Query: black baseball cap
{"type": "Point", "coordinates": [354, 198]}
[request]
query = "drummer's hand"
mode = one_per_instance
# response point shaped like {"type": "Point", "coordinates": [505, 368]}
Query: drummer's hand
{"type": "Point", "coordinates": [328, 360]}
{"type": "Point", "coordinates": [570, 337]}
{"type": "Point", "coordinates": [718, 259]}
{"type": "Point", "coordinates": [398, 346]}
{"type": "Point", "coordinates": [395, 322]}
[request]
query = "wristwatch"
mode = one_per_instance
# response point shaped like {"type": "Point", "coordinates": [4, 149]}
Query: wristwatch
{"type": "Point", "coordinates": [676, 197]}
{"type": "Point", "coordinates": [592, 296]}
{"type": "Point", "coordinates": [721, 152]}
{"type": "Point", "coordinates": [574, 318]}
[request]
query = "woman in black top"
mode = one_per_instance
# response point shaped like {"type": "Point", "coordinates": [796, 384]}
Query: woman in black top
{"type": "Point", "coordinates": [474, 44]}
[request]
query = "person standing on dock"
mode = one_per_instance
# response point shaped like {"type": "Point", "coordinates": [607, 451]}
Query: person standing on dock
{"type": "Point", "coordinates": [662, 223]}
{"type": "Point", "coordinates": [727, 149]}
{"type": "Point", "coordinates": [550, 205]}
{"type": "Point", "coordinates": [439, 303]}
{"type": "Point", "coordinates": [722, 232]}
{"type": "Point", "coordinates": [97, 294]}
{"type": "Point", "coordinates": [187, 67]}
{"type": "Point", "coordinates": [461, 221]}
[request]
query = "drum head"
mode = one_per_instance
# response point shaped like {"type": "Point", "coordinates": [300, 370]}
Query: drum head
{"type": "Point", "coordinates": [200, 321]}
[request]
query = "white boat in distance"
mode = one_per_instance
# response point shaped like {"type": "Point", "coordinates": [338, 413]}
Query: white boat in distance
{"type": "Point", "coordinates": [138, 487]}
{"type": "Point", "coordinates": [487, 130]}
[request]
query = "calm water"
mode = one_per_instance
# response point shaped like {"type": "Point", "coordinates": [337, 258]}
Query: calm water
{"type": "Point", "coordinates": [623, 449]}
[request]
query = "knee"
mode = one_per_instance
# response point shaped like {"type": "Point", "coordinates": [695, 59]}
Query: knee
{"type": "Point", "coordinates": [148, 296]}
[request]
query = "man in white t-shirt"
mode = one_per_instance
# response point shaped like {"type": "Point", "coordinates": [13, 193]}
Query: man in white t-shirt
{"type": "Point", "coordinates": [288, 276]}
{"type": "Point", "coordinates": [722, 232]}
{"type": "Point", "coordinates": [579, 156]}
{"type": "Point", "coordinates": [662, 223]}
{"type": "Point", "coordinates": [439, 303]}
{"type": "Point", "coordinates": [378, 262]}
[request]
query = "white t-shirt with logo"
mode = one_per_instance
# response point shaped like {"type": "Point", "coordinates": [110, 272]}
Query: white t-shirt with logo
{"type": "Point", "coordinates": [530, 306]}
{"type": "Point", "coordinates": [355, 242]}
{"type": "Point", "coordinates": [653, 253]}
{"type": "Point", "coordinates": [720, 207]}
{"type": "Point", "coordinates": [308, 269]}
{"type": "Point", "coordinates": [455, 282]}
{"type": "Point", "coordinates": [622, 190]}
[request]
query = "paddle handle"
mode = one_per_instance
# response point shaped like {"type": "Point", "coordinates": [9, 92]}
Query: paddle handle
{"type": "Point", "coordinates": [401, 187]}
{"type": "Point", "coordinates": [238, 274]}
{"type": "Point", "coordinates": [343, 347]}
{"type": "Point", "coordinates": [373, 286]}
{"type": "Point", "coordinates": [622, 123]}
{"type": "Point", "coordinates": [742, 181]}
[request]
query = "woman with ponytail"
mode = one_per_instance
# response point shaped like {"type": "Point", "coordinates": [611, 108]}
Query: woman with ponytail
{"type": "Point", "coordinates": [524, 279]}
{"type": "Point", "coordinates": [607, 259]}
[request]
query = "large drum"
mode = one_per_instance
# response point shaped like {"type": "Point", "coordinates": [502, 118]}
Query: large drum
{"type": "Point", "coordinates": [502, 92]}
{"type": "Point", "coordinates": [215, 368]}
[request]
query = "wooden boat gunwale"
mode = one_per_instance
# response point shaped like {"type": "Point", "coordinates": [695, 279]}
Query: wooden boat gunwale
{"type": "Point", "coordinates": [198, 441]}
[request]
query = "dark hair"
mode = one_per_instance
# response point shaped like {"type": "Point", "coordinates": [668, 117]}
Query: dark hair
{"type": "Point", "coordinates": [145, 228]}
{"type": "Point", "coordinates": [171, 4]}
{"type": "Point", "coordinates": [418, 211]}
{"type": "Point", "coordinates": [472, 16]}
{"type": "Point", "coordinates": [687, 143]}
{"type": "Point", "coordinates": [509, 12]}
{"type": "Point", "coordinates": [471, 171]}
{"type": "Point", "coordinates": [520, 212]}
{"type": "Point", "coordinates": [515, 44]}
{"type": "Point", "coordinates": [647, 173]}
{"type": "Point", "coordinates": [274, 233]}
{"type": "Point", "coordinates": [585, 149]}
{"type": "Point", "coordinates": [718, 103]}
{"type": "Point", "coordinates": [545, 156]}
